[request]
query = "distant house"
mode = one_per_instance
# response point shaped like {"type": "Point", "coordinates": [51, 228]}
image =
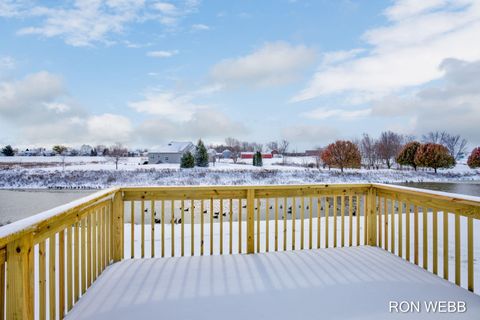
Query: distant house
{"type": "Point", "coordinates": [172, 152]}
{"type": "Point", "coordinates": [212, 154]}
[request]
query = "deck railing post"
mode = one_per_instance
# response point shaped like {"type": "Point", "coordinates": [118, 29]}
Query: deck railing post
{"type": "Point", "coordinates": [118, 227]}
{"type": "Point", "coordinates": [250, 221]}
{"type": "Point", "coordinates": [20, 278]}
{"type": "Point", "coordinates": [371, 216]}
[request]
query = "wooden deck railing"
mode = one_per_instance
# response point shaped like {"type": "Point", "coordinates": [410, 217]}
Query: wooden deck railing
{"type": "Point", "coordinates": [48, 261]}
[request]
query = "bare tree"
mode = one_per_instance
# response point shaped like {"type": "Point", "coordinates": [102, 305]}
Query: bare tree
{"type": "Point", "coordinates": [283, 146]}
{"type": "Point", "coordinates": [369, 149]}
{"type": "Point", "coordinates": [62, 152]}
{"type": "Point", "coordinates": [455, 144]}
{"type": "Point", "coordinates": [272, 145]}
{"type": "Point", "coordinates": [116, 153]}
{"type": "Point", "coordinates": [389, 146]}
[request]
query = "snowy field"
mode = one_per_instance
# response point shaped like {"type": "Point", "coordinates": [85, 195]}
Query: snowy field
{"type": "Point", "coordinates": [99, 172]}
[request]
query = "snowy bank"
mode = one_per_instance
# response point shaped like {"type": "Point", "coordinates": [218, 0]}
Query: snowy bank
{"type": "Point", "coordinates": [21, 178]}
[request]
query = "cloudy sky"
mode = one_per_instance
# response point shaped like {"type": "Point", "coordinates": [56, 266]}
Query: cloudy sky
{"type": "Point", "coordinates": [144, 72]}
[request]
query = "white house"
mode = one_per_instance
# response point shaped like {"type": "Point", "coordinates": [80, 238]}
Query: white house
{"type": "Point", "coordinates": [172, 152]}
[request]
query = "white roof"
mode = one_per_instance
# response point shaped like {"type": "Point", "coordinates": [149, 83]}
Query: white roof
{"type": "Point", "coordinates": [173, 147]}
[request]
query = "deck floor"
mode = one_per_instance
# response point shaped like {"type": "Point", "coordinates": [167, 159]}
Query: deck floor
{"type": "Point", "coordinates": [341, 283]}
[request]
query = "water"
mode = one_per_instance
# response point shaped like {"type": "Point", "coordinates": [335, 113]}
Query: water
{"type": "Point", "coordinates": [472, 189]}
{"type": "Point", "coordinates": [19, 204]}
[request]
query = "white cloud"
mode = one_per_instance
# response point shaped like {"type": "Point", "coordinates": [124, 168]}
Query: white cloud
{"type": "Point", "coordinates": [162, 54]}
{"type": "Point", "coordinates": [453, 105]}
{"type": "Point", "coordinates": [165, 7]}
{"type": "Point", "coordinates": [57, 107]}
{"type": "Point", "coordinates": [405, 53]}
{"type": "Point", "coordinates": [273, 64]}
{"type": "Point", "coordinates": [84, 23]}
{"type": "Point", "coordinates": [166, 104]}
{"type": "Point", "coordinates": [200, 27]}
{"type": "Point", "coordinates": [109, 128]}
{"type": "Point", "coordinates": [325, 113]}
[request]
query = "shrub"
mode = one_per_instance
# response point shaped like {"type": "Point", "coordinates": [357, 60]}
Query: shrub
{"type": "Point", "coordinates": [342, 154]}
{"type": "Point", "coordinates": [433, 155]}
{"type": "Point", "coordinates": [474, 158]}
{"type": "Point", "coordinates": [187, 160]}
{"type": "Point", "coordinates": [406, 157]}
{"type": "Point", "coordinates": [257, 159]}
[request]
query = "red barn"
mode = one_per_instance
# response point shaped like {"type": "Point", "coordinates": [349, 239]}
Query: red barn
{"type": "Point", "coordinates": [249, 155]}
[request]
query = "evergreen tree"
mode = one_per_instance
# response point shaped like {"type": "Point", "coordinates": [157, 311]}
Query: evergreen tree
{"type": "Point", "coordinates": [187, 160]}
{"type": "Point", "coordinates": [201, 155]}
{"type": "Point", "coordinates": [257, 159]}
{"type": "Point", "coordinates": [8, 151]}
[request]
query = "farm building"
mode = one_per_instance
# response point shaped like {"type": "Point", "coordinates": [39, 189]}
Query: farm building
{"type": "Point", "coordinates": [249, 155]}
{"type": "Point", "coordinates": [170, 153]}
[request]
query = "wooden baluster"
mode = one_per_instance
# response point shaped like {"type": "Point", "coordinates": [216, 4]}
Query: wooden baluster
{"type": "Point", "coordinates": [76, 254]}
{"type": "Point", "coordinates": [250, 221]}
{"type": "Point", "coordinates": [152, 228]}
{"type": "Point", "coordinates": [61, 274]}
{"type": "Point", "coordinates": [142, 229]}
{"type": "Point", "coordinates": [163, 227]}
{"type": "Point", "coordinates": [457, 250]}
{"type": "Point", "coordinates": [192, 227]}
{"type": "Point", "coordinates": [42, 281]}
{"type": "Point", "coordinates": [240, 209]}
{"type": "Point", "coordinates": [357, 198]}
{"type": "Point", "coordinates": [400, 228]}
{"type": "Point", "coordinates": [435, 240]}
{"type": "Point", "coordinates": [342, 220]}
{"type": "Point", "coordinates": [319, 218]}
{"type": "Point", "coordinates": [211, 226]}
{"type": "Point", "coordinates": [408, 212]}
{"type": "Point", "coordinates": [258, 224]}
{"type": "Point", "coordinates": [385, 231]}
{"type": "Point", "coordinates": [381, 207]}
{"type": "Point", "coordinates": [294, 218]}
{"type": "Point", "coordinates": [202, 209]}
{"type": "Point", "coordinates": [172, 226]}
{"type": "Point", "coordinates": [221, 226]}
{"type": "Point", "coordinates": [350, 220]}
{"type": "Point", "coordinates": [132, 229]}
{"type": "Point", "coordinates": [445, 245]}
{"type": "Point", "coordinates": [84, 255]}
{"type": "Point", "coordinates": [470, 253]}
{"type": "Point", "coordinates": [425, 237]}
{"type": "Point", "coordinates": [89, 250]}
{"type": "Point", "coordinates": [302, 224]}
{"type": "Point", "coordinates": [392, 226]}
{"type": "Point", "coordinates": [230, 235]}
{"type": "Point", "coordinates": [267, 224]}
{"type": "Point", "coordinates": [69, 268]}
{"type": "Point", "coordinates": [310, 227]}
{"type": "Point", "coordinates": [51, 277]}
{"type": "Point", "coordinates": [276, 224]}
{"type": "Point", "coordinates": [99, 241]}
{"type": "Point", "coordinates": [335, 221]}
{"type": "Point", "coordinates": [182, 228]}
{"type": "Point", "coordinates": [94, 246]}
{"type": "Point", "coordinates": [327, 215]}
{"type": "Point", "coordinates": [285, 224]}
{"type": "Point", "coordinates": [415, 234]}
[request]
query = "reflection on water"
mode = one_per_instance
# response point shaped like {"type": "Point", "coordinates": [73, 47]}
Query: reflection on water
{"type": "Point", "coordinates": [19, 204]}
{"type": "Point", "coordinates": [472, 189]}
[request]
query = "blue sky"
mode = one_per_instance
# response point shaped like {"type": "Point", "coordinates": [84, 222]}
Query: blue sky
{"type": "Point", "coordinates": [145, 72]}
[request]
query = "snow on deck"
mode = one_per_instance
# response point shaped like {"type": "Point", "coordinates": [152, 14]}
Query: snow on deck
{"type": "Point", "coordinates": [340, 283]}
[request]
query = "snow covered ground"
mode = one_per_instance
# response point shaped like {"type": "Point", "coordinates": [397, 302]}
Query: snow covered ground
{"type": "Point", "coordinates": [99, 172]}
